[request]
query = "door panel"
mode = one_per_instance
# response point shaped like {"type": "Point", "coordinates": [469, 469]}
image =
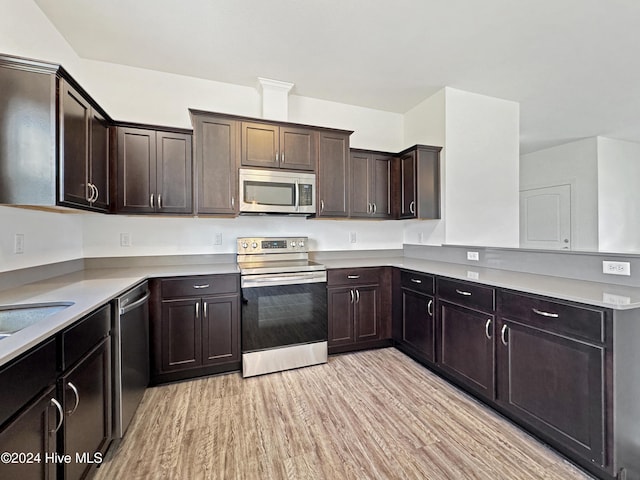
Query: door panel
{"type": "Point", "coordinates": [341, 328]}
{"type": "Point", "coordinates": [99, 173]}
{"type": "Point", "coordinates": [181, 334]}
{"type": "Point", "coordinates": [545, 217]}
{"type": "Point", "coordinates": [417, 322]}
{"type": "Point", "coordinates": [220, 329]}
{"type": "Point", "coordinates": [359, 170]}
{"type": "Point", "coordinates": [466, 351]}
{"type": "Point", "coordinates": [298, 148]}
{"type": "Point", "coordinates": [333, 176]}
{"type": "Point", "coordinates": [260, 144]}
{"type": "Point", "coordinates": [367, 308]}
{"type": "Point", "coordinates": [174, 177]}
{"type": "Point", "coordinates": [408, 186]}
{"type": "Point", "coordinates": [556, 384]}
{"type": "Point", "coordinates": [380, 190]}
{"type": "Point", "coordinates": [136, 170]}
{"type": "Point", "coordinates": [74, 146]}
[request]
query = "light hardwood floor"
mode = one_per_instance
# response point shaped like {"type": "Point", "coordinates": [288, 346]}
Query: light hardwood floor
{"type": "Point", "coordinates": [369, 415]}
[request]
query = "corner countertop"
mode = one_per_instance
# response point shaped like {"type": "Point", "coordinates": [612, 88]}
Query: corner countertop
{"type": "Point", "coordinates": [87, 289]}
{"type": "Point", "coordinates": [616, 297]}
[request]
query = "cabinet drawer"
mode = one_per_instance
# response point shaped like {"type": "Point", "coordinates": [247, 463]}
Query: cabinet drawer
{"type": "Point", "coordinates": [554, 316]}
{"type": "Point", "coordinates": [468, 294]}
{"type": "Point", "coordinates": [84, 335]}
{"type": "Point", "coordinates": [353, 276]}
{"type": "Point", "coordinates": [417, 281]}
{"type": "Point", "coordinates": [199, 286]}
{"type": "Point", "coordinates": [24, 378]}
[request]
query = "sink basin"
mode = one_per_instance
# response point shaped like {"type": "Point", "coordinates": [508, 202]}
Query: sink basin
{"type": "Point", "coordinates": [16, 317]}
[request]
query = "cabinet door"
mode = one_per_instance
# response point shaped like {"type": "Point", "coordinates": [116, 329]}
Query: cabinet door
{"type": "Point", "coordinates": [220, 329]}
{"type": "Point", "coordinates": [217, 150]}
{"type": "Point", "coordinates": [74, 147]}
{"type": "Point", "coordinates": [173, 173]}
{"type": "Point", "coordinates": [367, 313]}
{"type": "Point", "coordinates": [333, 175]}
{"type": "Point", "coordinates": [380, 186]}
{"type": "Point", "coordinates": [99, 160]}
{"type": "Point", "coordinates": [298, 148]}
{"type": "Point", "coordinates": [341, 326]}
{"type": "Point", "coordinates": [466, 347]}
{"type": "Point", "coordinates": [32, 432]}
{"type": "Point", "coordinates": [260, 145]}
{"type": "Point", "coordinates": [360, 204]}
{"type": "Point", "coordinates": [408, 185]}
{"type": "Point", "coordinates": [136, 170]}
{"type": "Point", "coordinates": [417, 323]}
{"type": "Point", "coordinates": [86, 399]}
{"type": "Point", "coordinates": [555, 384]}
{"type": "Point", "coordinates": [181, 332]}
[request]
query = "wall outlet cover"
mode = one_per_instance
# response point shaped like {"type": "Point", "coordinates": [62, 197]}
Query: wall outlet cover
{"type": "Point", "coordinates": [125, 239]}
{"type": "Point", "coordinates": [475, 256]}
{"type": "Point", "coordinates": [352, 237]}
{"type": "Point", "coordinates": [616, 268]}
{"type": "Point", "coordinates": [18, 243]}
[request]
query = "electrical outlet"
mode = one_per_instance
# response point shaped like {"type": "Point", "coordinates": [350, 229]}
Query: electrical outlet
{"type": "Point", "coordinates": [18, 243]}
{"type": "Point", "coordinates": [473, 256]}
{"type": "Point", "coordinates": [125, 239]}
{"type": "Point", "coordinates": [352, 237]}
{"type": "Point", "coordinates": [218, 239]}
{"type": "Point", "coordinates": [615, 299]}
{"type": "Point", "coordinates": [616, 268]}
{"type": "Point", "coordinates": [473, 275]}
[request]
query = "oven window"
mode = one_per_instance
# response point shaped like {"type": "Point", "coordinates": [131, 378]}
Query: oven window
{"type": "Point", "coordinates": [277, 316]}
{"type": "Point", "coordinates": [269, 193]}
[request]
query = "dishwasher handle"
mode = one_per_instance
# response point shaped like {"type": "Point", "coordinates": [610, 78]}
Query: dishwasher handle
{"type": "Point", "coordinates": [134, 305]}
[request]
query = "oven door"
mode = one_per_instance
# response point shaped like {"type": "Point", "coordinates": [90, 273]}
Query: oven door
{"type": "Point", "coordinates": [281, 310]}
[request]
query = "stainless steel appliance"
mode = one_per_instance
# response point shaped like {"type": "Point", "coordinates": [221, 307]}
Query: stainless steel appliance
{"type": "Point", "coordinates": [284, 305]}
{"type": "Point", "coordinates": [275, 191]}
{"type": "Point", "coordinates": [130, 337]}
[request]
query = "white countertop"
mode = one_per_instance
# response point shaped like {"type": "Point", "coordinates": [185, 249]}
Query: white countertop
{"type": "Point", "coordinates": [89, 289]}
{"type": "Point", "coordinates": [616, 297]}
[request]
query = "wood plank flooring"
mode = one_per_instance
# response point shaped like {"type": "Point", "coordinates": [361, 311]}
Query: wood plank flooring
{"type": "Point", "coordinates": [369, 415]}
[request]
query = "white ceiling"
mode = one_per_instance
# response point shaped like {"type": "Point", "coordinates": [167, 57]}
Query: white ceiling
{"type": "Point", "coordinates": [573, 65]}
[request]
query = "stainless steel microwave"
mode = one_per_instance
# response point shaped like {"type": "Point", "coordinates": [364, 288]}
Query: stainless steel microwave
{"type": "Point", "coordinates": [275, 191]}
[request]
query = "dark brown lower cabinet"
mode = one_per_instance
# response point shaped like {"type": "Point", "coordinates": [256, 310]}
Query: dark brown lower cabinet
{"type": "Point", "coordinates": [195, 335]}
{"type": "Point", "coordinates": [418, 331]}
{"type": "Point", "coordinates": [466, 347]}
{"type": "Point", "coordinates": [86, 400]}
{"type": "Point", "coordinates": [32, 433]}
{"type": "Point", "coordinates": [555, 384]}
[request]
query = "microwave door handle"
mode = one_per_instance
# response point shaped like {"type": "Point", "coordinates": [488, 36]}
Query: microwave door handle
{"type": "Point", "coordinates": [297, 196]}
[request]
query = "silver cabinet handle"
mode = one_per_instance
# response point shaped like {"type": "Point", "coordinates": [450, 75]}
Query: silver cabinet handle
{"type": "Point", "coordinates": [56, 404]}
{"type": "Point", "coordinates": [233, 202]}
{"type": "Point", "coordinates": [282, 160]}
{"type": "Point", "coordinates": [321, 206]}
{"type": "Point", "coordinates": [353, 277]}
{"type": "Point", "coordinates": [368, 208]}
{"type": "Point", "coordinates": [486, 329]}
{"type": "Point", "coordinates": [375, 209]}
{"type": "Point", "coordinates": [159, 200]}
{"type": "Point", "coordinates": [77, 398]}
{"type": "Point", "coordinates": [352, 297]}
{"type": "Point", "coordinates": [503, 334]}
{"type": "Point", "coordinates": [545, 314]}
{"type": "Point", "coordinates": [198, 287]}
{"type": "Point", "coordinates": [95, 199]}
{"type": "Point", "coordinates": [93, 193]}
{"type": "Point", "coordinates": [151, 202]}
{"type": "Point", "coordinates": [430, 308]}
{"type": "Point", "coordinates": [204, 309]}
{"type": "Point", "coordinates": [415, 280]}
{"type": "Point", "coordinates": [462, 292]}
{"type": "Point", "coordinates": [197, 310]}
{"type": "Point", "coordinates": [357, 296]}
{"type": "Point", "coordinates": [412, 207]}
{"type": "Point", "coordinates": [276, 157]}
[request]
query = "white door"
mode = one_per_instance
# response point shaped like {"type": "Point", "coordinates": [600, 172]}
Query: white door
{"type": "Point", "coordinates": [545, 217]}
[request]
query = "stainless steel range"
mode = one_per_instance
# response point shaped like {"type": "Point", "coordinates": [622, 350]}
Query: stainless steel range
{"type": "Point", "coordinates": [284, 305]}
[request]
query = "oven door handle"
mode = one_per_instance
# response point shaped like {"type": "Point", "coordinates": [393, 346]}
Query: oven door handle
{"type": "Point", "coordinates": [283, 280]}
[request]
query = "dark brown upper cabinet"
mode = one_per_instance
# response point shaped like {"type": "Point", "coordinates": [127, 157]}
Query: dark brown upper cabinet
{"type": "Point", "coordinates": [278, 146]}
{"type": "Point", "coordinates": [370, 192]}
{"type": "Point", "coordinates": [217, 146]}
{"type": "Point", "coordinates": [417, 183]}
{"type": "Point", "coordinates": [154, 171]}
{"type": "Point", "coordinates": [333, 175]}
{"type": "Point", "coordinates": [84, 152]}
{"type": "Point", "coordinates": [54, 141]}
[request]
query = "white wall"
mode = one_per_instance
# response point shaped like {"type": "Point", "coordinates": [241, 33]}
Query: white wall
{"type": "Point", "coordinates": [48, 237]}
{"type": "Point", "coordinates": [179, 236]}
{"type": "Point", "coordinates": [618, 195]}
{"type": "Point", "coordinates": [575, 164]}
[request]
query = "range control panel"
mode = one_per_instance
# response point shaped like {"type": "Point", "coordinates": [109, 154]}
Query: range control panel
{"type": "Point", "coordinates": [249, 245]}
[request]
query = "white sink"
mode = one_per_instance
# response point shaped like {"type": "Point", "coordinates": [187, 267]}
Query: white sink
{"type": "Point", "coordinates": [16, 317]}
